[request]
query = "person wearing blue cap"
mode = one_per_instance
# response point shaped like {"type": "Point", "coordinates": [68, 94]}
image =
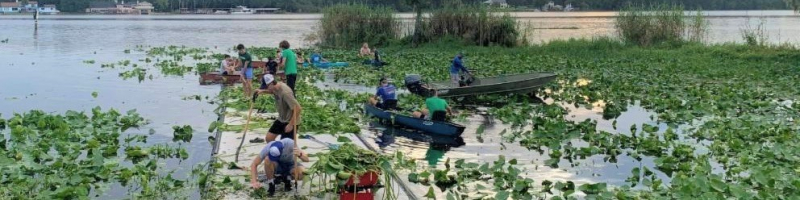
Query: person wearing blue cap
{"type": "Point", "coordinates": [456, 67]}
{"type": "Point", "coordinates": [279, 160]}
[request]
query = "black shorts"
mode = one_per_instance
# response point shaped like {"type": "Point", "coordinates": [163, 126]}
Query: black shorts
{"type": "Point", "coordinates": [387, 105]}
{"type": "Point", "coordinates": [279, 128]}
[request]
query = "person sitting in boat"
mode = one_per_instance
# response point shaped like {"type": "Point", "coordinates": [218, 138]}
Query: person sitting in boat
{"type": "Point", "coordinates": [272, 66]}
{"type": "Point", "coordinates": [317, 58]}
{"type": "Point", "coordinates": [227, 66]}
{"type": "Point", "coordinates": [387, 95]}
{"type": "Point", "coordinates": [278, 158]}
{"type": "Point", "coordinates": [376, 61]}
{"type": "Point", "coordinates": [456, 67]}
{"type": "Point", "coordinates": [365, 51]}
{"type": "Point", "coordinates": [437, 108]}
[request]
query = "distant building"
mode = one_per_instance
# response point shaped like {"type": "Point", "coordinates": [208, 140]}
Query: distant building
{"type": "Point", "coordinates": [501, 3]}
{"type": "Point", "coordinates": [32, 6]}
{"type": "Point", "coordinates": [9, 7]}
{"type": "Point", "coordinates": [143, 7]}
{"type": "Point", "coordinates": [48, 9]}
{"type": "Point", "coordinates": [100, 7]}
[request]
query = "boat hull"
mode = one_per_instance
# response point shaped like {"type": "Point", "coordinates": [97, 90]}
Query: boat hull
{"type": "Point", "coordinates": [426, 126]}
{"type": "Point", "coordinates": [328, 65]}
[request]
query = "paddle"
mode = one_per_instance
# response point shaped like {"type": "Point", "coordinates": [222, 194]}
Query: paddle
{"type": "Point", "coordinates": [296, 131]}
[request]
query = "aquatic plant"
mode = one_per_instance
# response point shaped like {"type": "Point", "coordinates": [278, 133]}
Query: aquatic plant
{"type": "Point", "coordinates": [650, 25]}
{"type": "Point", "coordinates": [73, 155]}
{"type": "Point", "coordinates": [473, 24]}
{"type": "Point", "coordinates": [350, 25]}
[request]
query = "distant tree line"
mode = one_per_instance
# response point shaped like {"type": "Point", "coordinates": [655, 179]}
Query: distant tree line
{"type": "Point", "coordinates": [403, 6]}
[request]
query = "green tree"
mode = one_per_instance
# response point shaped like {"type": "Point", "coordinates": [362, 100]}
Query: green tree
{"type": "Point", "coordinates": [418, 5]}
{"type": "Point", "coordinates": [794, 4]}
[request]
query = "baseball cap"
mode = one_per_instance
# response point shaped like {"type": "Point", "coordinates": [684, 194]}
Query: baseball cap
{"type": "Point", "coordinates": [268, 78]}
{"type": "Point", "coordinates": [275, 150]}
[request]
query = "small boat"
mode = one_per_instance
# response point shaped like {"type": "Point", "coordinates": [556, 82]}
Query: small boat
{"type": "Point", "coordinates": [327, 65]}
{"type": "Point", "coordinates": [427, 126]}
{"type": "Point", "coordinates": [517, 83]}
{"type": "Point", "coordinates": [241, 10]}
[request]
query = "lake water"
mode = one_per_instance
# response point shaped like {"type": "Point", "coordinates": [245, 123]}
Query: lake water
{"type": "Point", "coordinates": [44, 70]}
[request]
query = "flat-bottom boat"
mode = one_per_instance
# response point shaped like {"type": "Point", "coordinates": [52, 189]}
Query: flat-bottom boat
{"type": "Point", "coordinates": [517, 83]}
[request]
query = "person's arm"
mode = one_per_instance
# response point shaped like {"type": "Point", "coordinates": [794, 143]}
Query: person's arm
{"type": "Point", "coordinates": [282, 64]}
{"type": "Point", "coordinates": [296, 109]}
{"type": "Point", "coordinates": [301, 155]}
{"type": "Point", "coordinates": [460, 66]}
{"type": "Point", "coordinates": [254, 172]}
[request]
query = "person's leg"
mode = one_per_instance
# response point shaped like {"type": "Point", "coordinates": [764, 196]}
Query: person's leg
{"type": "Point", "coordinates": [277, 128]}
{"type": "Point", "coordinates": [373, 101]}
{"type": "Point", "coordinates": [289, 134]}
{"type": "Point", "coordinates": [417, 114]}
{"type": "Point", "coordinates": [454, 80]}
{"type": "Point", "coordinates": [297, 173]}
{"type": "Point", "coordinates": [248, 81]}
{"type": "Point", "coordinates": [291, 79]}
{"type": "Point", "coordinates": [269, 169]}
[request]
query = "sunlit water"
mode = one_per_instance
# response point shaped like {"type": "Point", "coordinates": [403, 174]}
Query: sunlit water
{"type": "Point", "coordinates": [43, 69]}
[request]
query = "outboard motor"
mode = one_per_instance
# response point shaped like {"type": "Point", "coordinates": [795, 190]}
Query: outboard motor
{"type": "Point", "coordinates": [415, 85]}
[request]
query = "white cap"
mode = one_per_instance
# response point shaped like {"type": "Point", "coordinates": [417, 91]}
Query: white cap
{"type": "Point", "coordinates": [274, 151]}
{"type": "Point", "coordinates": [268, 78]}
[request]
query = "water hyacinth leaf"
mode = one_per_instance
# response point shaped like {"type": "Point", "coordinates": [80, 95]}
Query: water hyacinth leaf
{"type": "Point", "coordinates": [430, 194]}
{"type": "Point", "coordinates": [182, 133]}
{"type": "Point", "coordinates": [94, 94]}
{"type": "Point", "coordinates": [502, 195]}
{"type": "Point", "coordinates": [343, 139]}
{"type": "Point", "coordinates": [450, 196]}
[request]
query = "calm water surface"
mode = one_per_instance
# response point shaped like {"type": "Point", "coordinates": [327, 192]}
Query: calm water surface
{"type": "Point", "coordinates": [44, 69]}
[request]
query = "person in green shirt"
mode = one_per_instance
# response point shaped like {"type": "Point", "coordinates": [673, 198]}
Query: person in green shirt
{"type": "Point", "coordinates": [434, 105]}
{"type": "Point", "coordinates": [246, 65]}
{"type": "Point", "coordinates": [289, 64]}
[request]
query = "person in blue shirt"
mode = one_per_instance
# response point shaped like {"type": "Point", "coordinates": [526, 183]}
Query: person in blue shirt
{"type": "Point", "coordinates": [456, 67]}
{"type": "Point", "coordinates": [387, 94]}
{"type": "Point", "coordinates": [317, 58]}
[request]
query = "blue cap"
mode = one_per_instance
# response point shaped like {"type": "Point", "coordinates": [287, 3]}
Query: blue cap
{"type": "Point", "coordinates": [275, 150]}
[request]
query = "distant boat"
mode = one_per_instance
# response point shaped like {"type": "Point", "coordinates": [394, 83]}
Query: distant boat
{"type": "Point", "coordinates": [241, 10]}
{"type": "Point", "coordinates": [221, 12]}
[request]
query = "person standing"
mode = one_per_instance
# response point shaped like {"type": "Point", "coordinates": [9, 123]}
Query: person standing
{"type": "Point", "coordinates": [287, 106]}
{"type": "Point", "coordinates": [288, 62]}
{"type": "Point", "coordinates": [456, 67]}
{"type": "Point", "coordinates": [246, 64]}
